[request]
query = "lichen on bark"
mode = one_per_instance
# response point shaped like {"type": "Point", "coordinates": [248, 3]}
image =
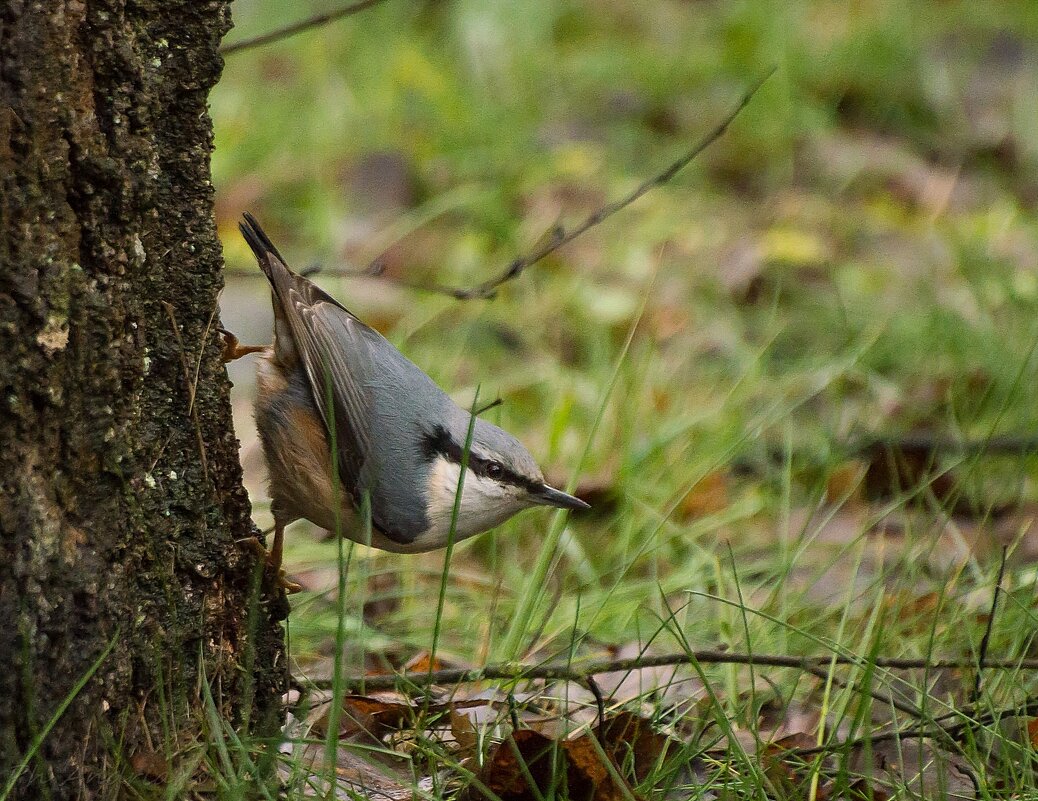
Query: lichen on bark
{"type": "Point", "coordinates": [120, 487]}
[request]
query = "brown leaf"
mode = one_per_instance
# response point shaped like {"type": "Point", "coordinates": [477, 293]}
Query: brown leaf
{"type": "Point", "coordinates": [503, 772]}
{"type": "Point", "coordinates": [358, 773]}
{"type": "Point", "coordinates": [419, 663]}
{"type": "Point", "coordinates": [150, 765]}
{"type": "Point", "coordinates": [589, 775]}
{"type": "Point", "coordinates": [464, 731]}
{"type": "Point", "coordinates": [709, 495]}
{"type": "Point", "coordinates": [919, 767]}
{"type": "Point", "coordinates": [363, 717]}
{"type": "Point", "coordinates": [797, 739]}
{"type": "Point", "coordinates": [572, 769]}
{"type": "Point", "coordinates": [372, 718]}
{"type": "Point", "coordinates": [627, 736]}
{"type": "Point", "coordinates": [381, 714]}
{"type": "Point", "coordinates": [788, 771]}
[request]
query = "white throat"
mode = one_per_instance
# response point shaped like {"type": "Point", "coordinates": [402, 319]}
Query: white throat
{"type": "Point", "coordinates": [485, 503]}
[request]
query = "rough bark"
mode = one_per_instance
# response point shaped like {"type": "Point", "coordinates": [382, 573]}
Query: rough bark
{"type": "Point", "coordinates": [120, 486]}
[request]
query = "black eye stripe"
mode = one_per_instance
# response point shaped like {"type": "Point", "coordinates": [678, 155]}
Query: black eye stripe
{"type": "Point", "coordinates": [440, 443]}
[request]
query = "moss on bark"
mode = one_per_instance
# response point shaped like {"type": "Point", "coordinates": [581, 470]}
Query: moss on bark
{"type": "Point", "coordinates": [121, 496]}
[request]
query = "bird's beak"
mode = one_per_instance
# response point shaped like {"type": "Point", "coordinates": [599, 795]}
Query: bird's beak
{"type": "Point", "coordinates": [549, 496]}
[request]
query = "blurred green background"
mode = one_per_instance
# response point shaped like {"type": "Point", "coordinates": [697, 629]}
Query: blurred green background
{"type": "Point", "coordinates": [856, 257]}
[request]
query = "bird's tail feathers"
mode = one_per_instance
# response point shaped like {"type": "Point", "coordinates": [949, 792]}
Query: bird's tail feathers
{"type": "Point", "coordinates": [269, 257]}
{"type": "Point", "coordinates": [281, 277]}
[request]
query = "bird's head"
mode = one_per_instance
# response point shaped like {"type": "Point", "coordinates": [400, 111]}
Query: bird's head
{"type": "Point", "coordinates": [501, 479]}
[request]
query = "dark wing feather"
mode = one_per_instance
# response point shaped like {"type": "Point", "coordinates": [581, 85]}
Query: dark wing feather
{"type": "Point", "coordinates": [332, 344]}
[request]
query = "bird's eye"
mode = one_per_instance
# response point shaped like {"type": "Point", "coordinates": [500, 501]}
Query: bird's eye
{"type": "Point", "coordinates": [494, 470]}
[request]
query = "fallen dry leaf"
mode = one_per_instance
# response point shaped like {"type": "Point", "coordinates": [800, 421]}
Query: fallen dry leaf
{"type": "Point", "coordinates": [420, 663]}
{"type": "Point", "coordinates": [150, 765]}
{"type": "Point", "coordinates": [631, 741]}
{"type": "Point", "coordinates": [572, 769]}
{"type": "Point", "coordinates": [918, 766]}
{"type": "Point", "coordinates": [356, 775]}
{"type": "Point", "coordinates": [710, 494]}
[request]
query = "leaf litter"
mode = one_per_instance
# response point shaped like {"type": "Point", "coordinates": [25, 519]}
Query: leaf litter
{"type": "Point", "coordinates": [479, 730]}
{"type": "Point", "coordinates": [537, 739]}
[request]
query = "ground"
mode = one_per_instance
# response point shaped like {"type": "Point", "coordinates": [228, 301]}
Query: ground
{"type": "Point", "coordinates": [856, 259]}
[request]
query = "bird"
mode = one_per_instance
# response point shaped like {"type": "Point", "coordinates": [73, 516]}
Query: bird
{"type": "Point", "coordinates": [352, 429]}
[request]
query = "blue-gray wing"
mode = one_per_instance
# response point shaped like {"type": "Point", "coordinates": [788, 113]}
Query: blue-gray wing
{"type": "Point", "coordinates": [346, 362]}
{"type": "Point", "coordinates": [333, 348]}
{"type": "Point", "coordinates": [331, 343]}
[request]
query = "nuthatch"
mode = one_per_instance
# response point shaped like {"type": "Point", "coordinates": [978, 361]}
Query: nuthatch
{"type": "Point", "coordinates": [331, 383]}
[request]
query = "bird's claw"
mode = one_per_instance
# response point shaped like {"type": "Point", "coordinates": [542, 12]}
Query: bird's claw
{"type": "Point", "coordinates": [233, 349]}
{"type": "Point", "coordinates": [287, 584]}
{"type": "Point", "coordinates": [283, 581]}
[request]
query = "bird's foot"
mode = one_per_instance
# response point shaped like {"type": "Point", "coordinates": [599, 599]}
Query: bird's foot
{"type": "Point", "coordinates": [272, 566]}
{"type": "Point", "coordinates": [233, 349]}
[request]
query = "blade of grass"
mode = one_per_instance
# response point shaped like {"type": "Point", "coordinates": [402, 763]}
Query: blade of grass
{"type": "Point", "coordinates": [37, 741]}
{"type": "Point", "coordinates": [344, 557]}
{"type": "Point", "coordinates": [452, 532]}
{"type": "Point", "coordinates": [534, 586]}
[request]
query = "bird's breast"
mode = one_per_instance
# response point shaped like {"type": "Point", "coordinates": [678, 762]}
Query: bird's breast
{"type": "Point", "coordinates": [296, 449]}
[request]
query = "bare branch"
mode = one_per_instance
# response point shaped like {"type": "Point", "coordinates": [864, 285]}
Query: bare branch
{"type": "Point", "coordinates": [559, 236]}
{"type": "Point", "coordinates": [297, 27]}
{"type": "Point", "coordinates": [921, 732]}
{"type": "Point", "coordinates": [568, 672]}
{"type": "Point", "coordinates": [863, 689]}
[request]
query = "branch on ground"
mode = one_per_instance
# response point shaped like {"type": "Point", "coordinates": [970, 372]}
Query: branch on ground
{"type": "Point", "coordinates": [967, 722]}
{"type": "Point", "coordinates": [568, 672]}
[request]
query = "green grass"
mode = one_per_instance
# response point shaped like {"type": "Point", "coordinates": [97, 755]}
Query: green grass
{"type": "Point", "coordinates": [856, 257]}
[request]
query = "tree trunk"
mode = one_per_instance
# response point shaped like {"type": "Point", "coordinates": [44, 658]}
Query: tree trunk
{"type": "Point", "coordinates": [120, 487]}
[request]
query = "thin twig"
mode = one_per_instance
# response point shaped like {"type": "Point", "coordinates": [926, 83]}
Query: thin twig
{"type": "Point", "coordinates": [592, 685]}
{"type": "Point", "coordinates": [861, 689]}
{"type": "Point", "coordinates": [986, 639]}
{"type": "Point", "coordinates": [928, 443]}
{"type": "Point", "coordinates": [922, 732]}
{"type": "Point", "coordinates": [297, 27]}
{"type": "Point", "coordinates": [191, 410]}
{"type": "Point", "coordinates": [518, 672]}
{"type": "Point", "coordinates": [559, 236]}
